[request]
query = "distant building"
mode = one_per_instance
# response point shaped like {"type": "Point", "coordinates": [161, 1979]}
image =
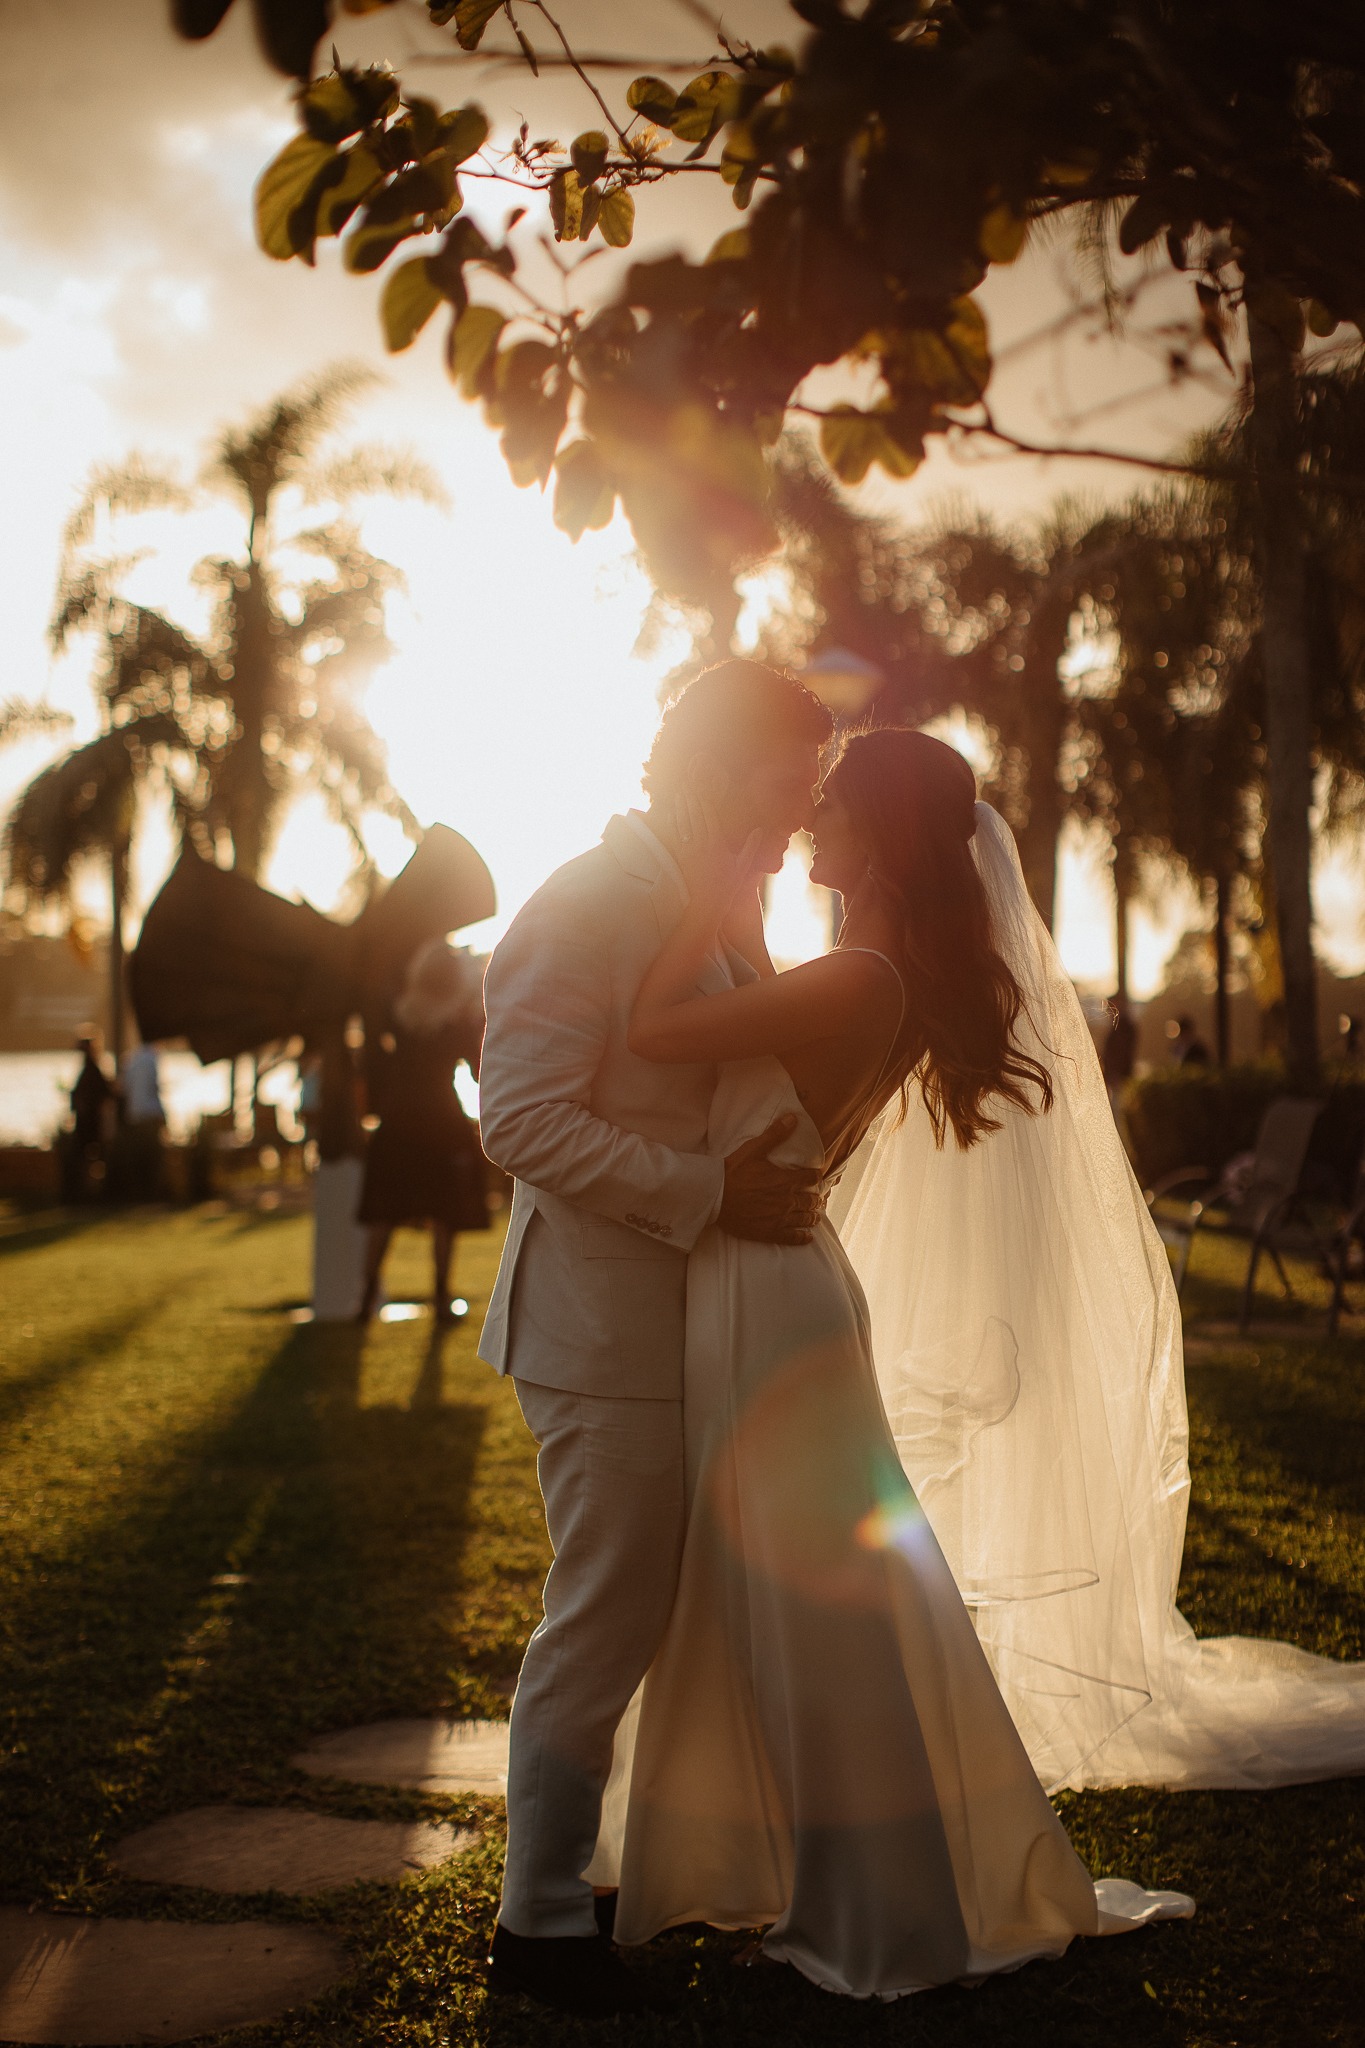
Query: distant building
{"type": "Point", "coordinates": [49, 992]}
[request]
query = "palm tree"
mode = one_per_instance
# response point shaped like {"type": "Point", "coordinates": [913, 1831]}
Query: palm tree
{"type": "Point", "coordinates": [1004, 603]}
{"type": "Point", "coordinates": [1168, 756]}
{"type": "Point", "coordinates": [20, 720]}
{"type": "Point", "coordinates": [233, 723]}
{"type": "Point", "coordinates": [85, 805]}
{"type": "Point", "coordinates": [960, 614]}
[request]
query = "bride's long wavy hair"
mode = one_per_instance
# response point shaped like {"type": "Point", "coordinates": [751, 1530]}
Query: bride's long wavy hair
{"type": "Point", "coordinates": [912, 802]}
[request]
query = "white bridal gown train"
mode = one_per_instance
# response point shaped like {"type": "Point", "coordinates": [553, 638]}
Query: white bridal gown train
{"type": "Point", "coordinates": [821, 1747]}
{"type": "Point", "coordinates": [1028, 1350]}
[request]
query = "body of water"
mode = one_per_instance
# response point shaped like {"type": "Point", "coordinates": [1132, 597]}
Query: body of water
{"type": "Point", "coordinates": [35, 1086]}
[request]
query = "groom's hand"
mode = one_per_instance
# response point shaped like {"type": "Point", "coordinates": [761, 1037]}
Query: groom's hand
{"type": "Point", "coordinates": [775, 1204]}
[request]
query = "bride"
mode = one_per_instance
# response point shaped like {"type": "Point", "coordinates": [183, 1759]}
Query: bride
{"type": "Point", "coordinates": [821, 1747]}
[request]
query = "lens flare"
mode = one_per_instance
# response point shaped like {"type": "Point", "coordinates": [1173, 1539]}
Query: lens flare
{"type": "Point", "coordinates": [897, 1524]}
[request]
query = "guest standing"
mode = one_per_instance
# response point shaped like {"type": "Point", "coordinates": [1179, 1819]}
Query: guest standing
{"type": "Point", "coordinates": [424, 1163]}
{"type": "Point", "coordinates": [93, 1098]}
{"type": "Point", "coordinates": [144, 1119]}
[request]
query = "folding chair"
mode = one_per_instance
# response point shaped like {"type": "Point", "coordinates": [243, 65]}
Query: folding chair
{"type": "Point", "coordinates": [1258, 1206]}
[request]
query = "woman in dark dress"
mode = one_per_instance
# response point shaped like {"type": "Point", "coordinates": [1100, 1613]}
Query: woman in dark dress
{"type": "Point", "coordinates": [424, 1163]}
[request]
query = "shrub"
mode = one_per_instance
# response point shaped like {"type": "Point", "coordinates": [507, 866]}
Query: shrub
{"type": "Point", "coordinates": [1204, 1116]}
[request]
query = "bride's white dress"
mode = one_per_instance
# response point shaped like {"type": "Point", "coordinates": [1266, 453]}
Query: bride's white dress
{"type": "Point", "coordinates": [821, 1746]}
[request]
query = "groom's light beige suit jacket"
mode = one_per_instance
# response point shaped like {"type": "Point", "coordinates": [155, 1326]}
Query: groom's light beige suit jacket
{"type": "Point", "coordinates": [613, 1184]}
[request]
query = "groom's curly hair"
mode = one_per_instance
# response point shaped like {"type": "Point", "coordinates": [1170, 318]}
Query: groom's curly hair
{"type": "Point", "coordinates": [738, 710]}
{"type": "Point", "coordinates": [912, 803]}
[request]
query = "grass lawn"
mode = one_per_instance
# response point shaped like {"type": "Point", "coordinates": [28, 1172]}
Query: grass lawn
{"type": "Point", "coordinates": [221, 1534]}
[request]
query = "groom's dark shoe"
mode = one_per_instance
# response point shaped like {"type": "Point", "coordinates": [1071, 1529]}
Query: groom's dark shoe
{"type": "Point", "coordinates": [576, 1973]}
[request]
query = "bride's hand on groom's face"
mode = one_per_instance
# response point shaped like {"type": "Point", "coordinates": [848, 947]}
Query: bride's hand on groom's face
{"type": "Point", "coordinates": [715, 874]}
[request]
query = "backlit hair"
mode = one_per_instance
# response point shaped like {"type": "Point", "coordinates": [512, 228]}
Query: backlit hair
{"type": "Point", "coordinates": [911, 801]}
{"type": "Point", "coordinates": [738, 710]}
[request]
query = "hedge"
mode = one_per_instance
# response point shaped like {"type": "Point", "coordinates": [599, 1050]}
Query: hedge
{"type": "Point", "coordinates": [1204, 1116]}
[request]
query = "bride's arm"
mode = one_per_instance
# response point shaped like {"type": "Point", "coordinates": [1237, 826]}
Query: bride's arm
{"type": "Point", "coordinates": [672, 1023]}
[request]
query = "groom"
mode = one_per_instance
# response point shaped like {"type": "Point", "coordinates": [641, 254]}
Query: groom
{"type": "Point", "coordinates": [613, 1188]}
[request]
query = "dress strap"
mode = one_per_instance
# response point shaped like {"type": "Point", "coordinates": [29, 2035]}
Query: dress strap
{"type": "Point", "coordinates": [900, 1021]}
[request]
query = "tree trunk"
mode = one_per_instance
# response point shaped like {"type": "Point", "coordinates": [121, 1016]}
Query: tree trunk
{"type": "Point", "coordinates": [1038, 840]}
{"type": "Point", "coordinates": [1288, 711]}
{"type": "Point", "coordinates": [118, 896]}
{"type": "Point", "coordinates": [1222, 1018]}
{"type": "Point", "coordinates": [1123, 891]}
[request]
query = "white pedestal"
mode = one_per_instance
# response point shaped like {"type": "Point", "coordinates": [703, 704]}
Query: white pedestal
{"type": "Point", "coordinates": [338, 1242]}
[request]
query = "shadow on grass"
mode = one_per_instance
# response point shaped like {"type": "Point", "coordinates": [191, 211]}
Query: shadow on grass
{"type": "Point", "coordinates": [1303, 1412]}
{"type": "Point", "coordinates": [50, 1227]}
{"type": "Point", "coordinates": [293, 1570]}
{"type": "Point", "coordinates": [19, 1391]}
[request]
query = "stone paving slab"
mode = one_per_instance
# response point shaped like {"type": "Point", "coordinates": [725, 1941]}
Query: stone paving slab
{"type": "Point", "coordinates": [101, 1982]}
{"type": "Point", "coordinates": [432, 1756]}
{"type": "Point", "coordinates": [265, 1849]}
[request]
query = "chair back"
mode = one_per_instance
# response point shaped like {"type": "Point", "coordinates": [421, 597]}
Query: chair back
{"type": "Point", "coordinates": [1281, 1148]}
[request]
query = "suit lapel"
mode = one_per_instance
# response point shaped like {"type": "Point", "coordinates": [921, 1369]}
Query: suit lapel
{"type": "Point", "coordinates": [638, 858]}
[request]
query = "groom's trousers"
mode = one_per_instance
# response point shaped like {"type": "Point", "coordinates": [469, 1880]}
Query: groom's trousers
{"type": "Point", "coordinates": [611, 1472]}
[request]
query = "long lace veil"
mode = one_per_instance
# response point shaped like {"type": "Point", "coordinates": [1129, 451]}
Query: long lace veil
{"type": "Point", "coordinates": [1028, 1346]}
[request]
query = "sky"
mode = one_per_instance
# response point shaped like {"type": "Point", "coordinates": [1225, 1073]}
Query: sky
{"type": "Point", "coordinates": [137, 313]}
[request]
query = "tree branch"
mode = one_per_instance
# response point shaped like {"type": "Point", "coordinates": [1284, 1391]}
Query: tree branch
{"type": "Point", "coordinates": [575, 65]}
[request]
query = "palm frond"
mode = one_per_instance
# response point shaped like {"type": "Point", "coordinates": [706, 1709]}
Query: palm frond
{"type": "Point", "coordinates": [274, 446]}
{"type": "Point", "coordinates": [81, 804]}
{"type": "Point", "coordinates": [125, 488]}
{"type": "Point", "coordinates": [20, 720]}
{"type": "Point", "coordinates": [87, 592]}
{"type": "Point", "coordinates": [373, 471]}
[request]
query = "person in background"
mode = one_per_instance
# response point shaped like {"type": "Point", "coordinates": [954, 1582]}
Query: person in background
{"type": "Point", "coordinates": [93, 1097]}
{"type": "Point", "coordinates": [1187, 1047]}
{"type": "Point", "coordinates": [424, 1163]}
{"type": "Point", "coordinates": [144, 1120]}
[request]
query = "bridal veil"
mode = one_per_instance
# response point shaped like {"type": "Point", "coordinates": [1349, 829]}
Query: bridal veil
{"type": "Point", "coordinates": [1028, 1347]}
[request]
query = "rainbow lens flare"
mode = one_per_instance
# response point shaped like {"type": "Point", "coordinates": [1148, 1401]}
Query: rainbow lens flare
{"type": "Point", "coordinates": [897, 1524]}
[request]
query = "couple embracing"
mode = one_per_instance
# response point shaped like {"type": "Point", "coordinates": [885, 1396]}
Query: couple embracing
{"type": "Point", "coordinates": [747, 1704]}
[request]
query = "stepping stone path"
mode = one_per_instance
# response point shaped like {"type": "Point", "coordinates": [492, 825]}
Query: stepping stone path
{"type": "Point", "coordinates": [432, 1756]}
{"type": "Point", "coordinates": [107, 1981]}
{"type": "Point", "coordinates": [260, 1849]}
{"type": "Point", "coordinates": [97, 1983]}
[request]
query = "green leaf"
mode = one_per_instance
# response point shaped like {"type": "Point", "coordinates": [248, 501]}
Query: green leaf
{"type": "Point", "coordinates": [1143, 222]}
{"type": "Point", "coordinates": [463, 132]}
{"type": "Point", "coordinates": [408, 302]}
{"type": "Point", "coordinates": [584, 496]}
{"type": "Point", "coordinates": [653, 98]}
{"type": "Point", "coordinates": [282, 186]}
{"type": "Point", "coordinates": [344, 102]}
{"type": "Point", "coordinates": [473, 339]}
{"type": "Point", "coordinates": [1322, 321]}
{"type": "Point", "coordinates": [701, 107]}
{"type": "Point", "coordinates": [617, 219]}
{"type": "Point", "coordinates": [851, 441]}
{"type": "Point", "coordinates": [361, 174]}
{"type": "Point", "coordinates": [731, 248]}
{"type": "Point", "coordinates": [471, 19]}
{"type": "Point", "coordinates": [525, 365]}
{"type": "Point", "coordinates": [566, 205]}
{"type": "Point", "coordinates": [1001, 234]}
{"type": "Point", "coordinates": [589, 153]}
{"type": "Point", "coordinates": [969, 339]}
{"type": "Point", "coordinates": [371, 244]}
{"type": "Point", "coordinates": [741, 160]}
